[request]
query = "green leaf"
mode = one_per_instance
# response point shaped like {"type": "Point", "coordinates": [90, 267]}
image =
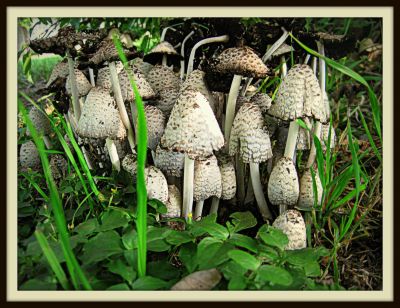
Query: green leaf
{"type": "Point", "coordinates": [243, 220]}
{"type": "Point", "coordinates": [113, 219]}
{"type": "Point", "coordinates": [129, 239]}
{"type": "Point", "coordinates": [206, 250]}
{"type": "Point", "coordinates": [163, 270]}
{"type": "Point", "coordinates": [179, 237]}
{"type": "Point", "coordinates": [188, 255]}
{"type": "Point", "coordinates": [273, 237]}
{"type": "Point", "coordinates": [232, 269]}
{"type": "Point", "coordinates": [237, 283]}
{"type": "Point", "coordinates": [155, 239]}
{"type": "Point", "coordinates": [87, 227]}
{"type": "Point", "coordinates": [244, 259]}
{"type": "Point", "coordinates": [119, 287]}
{"type": "Point", "coordinates": [212, 228]}
{"type": "Point", "coordinates": [158, 245]}
{"type": "Point", "coordinates": [101, 246]}
{"type": "Point", "coordinates": [301, 257]}
{"type": "Point", "coordinates": [312, 269]}
{"type": "Point", "coordinates": [120, 268]}
{"type": "Point", "coordinates": [38, 284]}
{"type": "Point", "coordinates": [274, 274]}
{"type": "Point", "coordinates": [157, 205]}
{"type": "Point", "coordinates": [244, 241]}
{"type": "Point", "coordinates": [149, 283]}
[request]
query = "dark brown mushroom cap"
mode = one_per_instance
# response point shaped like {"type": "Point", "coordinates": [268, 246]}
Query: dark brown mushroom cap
{"type": "Point", "coordinates": [29, 156]}
{"type": "Point", "coordinates": [145, 90]}
{"type": "Point", "coordinates": [108, 52]}
{"type": "Point", "coordinates": [163, 48]}
{"type": "Point", "coordinates": [82, 83]}
{"type": "Point", "coordinates": [292, 224]}
{"type": "Point", "coordinates": [169, 162]}
{"type": "Point", "coordinates": [192, 127]}
{"type": "Point", "coordinates": [299, 95]}
{"type": "Point", "coordinates": [60, 70]}
{"type": "Point", "coordinates": [166, 100]}
{"type": "Point", "coordinates": [155, 123]}
{"type": "Point", "coordinates": [58, 166]}
{"type": "Point", "coordinates": [241, 61]}
{"type": "Point", "coordinates": [100, 116]}
{"type": "Point", "coordinates": [161, 77]}
{"type": "Point", "coordinates": [262, 100]}
{"type": "Point", "coordinates": [207, 179]}
{"type": "Point", "coordinates": [39, 121]}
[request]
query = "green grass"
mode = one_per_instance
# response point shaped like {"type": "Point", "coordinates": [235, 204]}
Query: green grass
{"type": "Point", "coordinates": [37, 67]}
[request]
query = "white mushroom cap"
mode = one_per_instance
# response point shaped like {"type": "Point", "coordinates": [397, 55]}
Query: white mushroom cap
{"type": "Point", "coordinates": [104, 78]}
{"type": "Point", "coordinates": [143, 86]}
{"type": "Point", "coordinates": [100, 117]}
{"type": "Point", "coordinates": [325, 136]}
{"type": "Point", "coordinates": [262, 100]}
{"type": "Point", "coordinates": [39, 121]}
{"type": "Point", "coordinates": [283, 184]}
{"type": "Point", "coordinates": [292, 224]}
{"type": "Point", "coordinates": [161, 77]}
{"type": "Point", "coordinates": [228, 177]}
{"type": "Point", "coordinates": [156, 184]}
{"type": "Point", "coordinates": [169, 162]}
{"type": "Point", "coordinates": [82, 83]}
{"type": "Point", "coordinates": [155, 122]}
{"type": "Point", "coordinates": [303, 137]}
{"type": "Point", "coordinates": [129, 164]}
{"type": "Point", "coordinates": [192, 127]}
{"type": "Point", "coordinates": [29, 156]}
{"type": "Point", "coordinates": [306, 198]}
{"type": "Point", "coordinates": [58, 166]}
{"type": "Point", "coordinates": [299, 95]}
{"type": "Point", "coordinates": [166, 100]}
{"type": "Point", "coordinates": [174, 203]}
{"type": "Point", "coordinates": [207, 179]}
{"type": "Point", "coordinates": [60, 70]}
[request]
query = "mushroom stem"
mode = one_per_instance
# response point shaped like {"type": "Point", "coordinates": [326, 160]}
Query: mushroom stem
{"type": "Point", "coordinates": [121, 105]}
{"type": "Point", "coordinates": [112, 151]}
{"type": "Point", "coordinates": [74, 88]}
{"type": "Point", "coordinates": [91, 77]}
{"type": "Point", "coordinates": [182, 71]}
{"type": "Point", "coordinates": [240, 175]}
{"type": "Point", "coordinates": [249, 194]}
{"type": "Point", "coordinates": [283, 67]}
{"type": "Point", "coordinates": [217, 39]}
{"type": "Point", "coordinates": [164, 31]}
{"type": "Point", "coordinates": [47, 142]}
{"type": "Point", "coordinates": [230, 107]}
{"type": "Point", "coordinates": [188, 175]}
{"type": "Point", "coordinates": [258, 191]}
{"type": "Point", "coordinates": [291, 139]}
{"type": "Point", "coordinates": [214, 205]}
{"type": "Point", "coordinates": [307, 58]}
{"type": "Point", "coordinates": [198, 210]}
{"type": "Point", "coordinates": [164, 60]}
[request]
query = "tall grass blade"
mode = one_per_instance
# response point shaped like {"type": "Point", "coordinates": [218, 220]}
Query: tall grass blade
{"type": "Point", "coordinates": [371, 140]}
{"type": "Point", "coordinates": [36, 186]}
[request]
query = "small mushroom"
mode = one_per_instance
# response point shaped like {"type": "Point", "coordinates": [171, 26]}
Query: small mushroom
{"type": "Point", "coordinates": [129, 164]}
{"type": "Point", "coordinates": [307, 197]}
{"type": "Point", "coordinates": [162, 51]}
{"type": "Point", "coordinates": [156, 184]}
{"type": "Point", "coordinates": [29, 156]}
{"type": "Point", "coordinates": [60, 71]}
{"type": "Point", "coordinates": [155, 122]}
{"type": "Point", "coordinates": [82, 83]}
{"type": "Point", "coordinates": [58, 166]}
{"type": "Point", "coordinates": [292, 224]}
{"type": "Point", "coordinates": [166, 100]}
{"type": "Point", "coordinates": [174, 203]}
{"type": "Point", "coordinates": [41, 124]}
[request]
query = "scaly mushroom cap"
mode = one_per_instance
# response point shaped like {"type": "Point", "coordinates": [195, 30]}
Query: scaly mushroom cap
{"type": "Point", "coordinates": [299, 95]}
{"type": "Point", "coordinates": [155, 123]}
{"type": "Point", "coordinates": [255, 146]}
{"type": "Point", "coordinates": [29, 156]}
{"type": "Point", "coordinates": [166, 100]}
{"type": "Point", "coordinates": [129, 164]}
{"type": "Point", "coordinates": [241, 61]}
{"type": "Point", "coordinates": [192, 127]}
{"type": "Point", "coordinates": [207, 179]}
{"type": "Point", "coordinates": [325, 136]}
{"type": "Point", "coordinates": [156, 184]}
{"type": "Point", "coordinates": [292, 224]}
{"type": "Point", "coordinates": [284, 48]}
{"type": "Point", "coordinates": [228, 177]}
{"type": "Point", "coordinates": [262, 100]}
{"type": "Point", "coordinates": [104, 78]}
{"type": "Point", "coordinates": [144, 67]}
{"type": "Point", "coordinates": [39, 121]}
{"type": "Point", "coordinates": [174, 203]}
{"type": "Point", "coordinates": [105, 52]}
{"type": "Point", "coordinates": [100, 117]}
{"type": "Point", "coordinates": [82, 83]}
{"type": "Point", "coordinates": [303, 140]}
{"type": "Point", "coordinates": [163, 48]}
{"type": "Point", "coordinates": [60, 70]}
{"type": "Point", "coordinates": [169, 162]}
{"type": "Point", "coordinates": [283, 184]}
{"type": "Point", "coordinates": [306, 198]}
{"type": "Point", "coordinates": [161, 77]}
{"type": "Point", "coordinates": [58, 166]}
{"type": "Point", "coordinates": [145, 90]}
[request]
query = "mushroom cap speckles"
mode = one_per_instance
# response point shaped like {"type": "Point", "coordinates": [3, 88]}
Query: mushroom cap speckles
{"type": "Point", "coordinates": [207, 179]}
{"type": "Point", "coordinates": [166, 100]}
{"type": "Point", "coordinates": [299, 95]}
{"type": "Point", "coordinates": [255, 146]}
{"type": "Point", "coordinates": [161, 77]}
{"type": "Point", "coordinates": [262, 100]}
{"type": "Point", "coordinates": [283, 184]}
{"type": "Point", "coordinates": [292, 224]}
{"type": "Point", "coordinates": [162, 48]}
{"type": "Point", "coordinates": [228, 177]}
{"type": "Point", "coordinates": [306, 198]}
{"type": "Point", "coordinates": [29, 156]}
{"type": "Point", "coordinates": [58, 166]}
{"type": "Point", "coordinates": [60, 70]}
{"type": "Point", "coordinates": [39, 121]}
{"type": "Point", "coordinates": [192, 127]}
{"type": "Point", "coordinates": [156, 184]}
{"type": "Point", "coordinates": [82, 83]}
{"type": "Point", "coordinates": [155, 123]}
{"type": "Point", "coordinates": [105, 52]}
{"type": "Point", "coordinates": [174, 203]}
{"type": "Point", "coordinates": [143, 66]}
{"type": "Point", "coordinates": [303, 139]}
{"type": "Point", "coordinates": [129, 164]}
{"type": "Point", "coordinates": [241, 61]}
{"type": "Point", "coordinates": [169, 162]}
{"type": "Point", "coordinates": [143, 86]}
{"type": "Point", "coordinates": [100, 117]}
{"type": "Point", "coordinates": [104, 78]}
{"type": "Point", "coordinates": [325, 136]}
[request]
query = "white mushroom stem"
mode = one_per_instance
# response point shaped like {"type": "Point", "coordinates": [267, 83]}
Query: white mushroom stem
{"type": "Point", "coordinates": [214, 205]}
{"type": "Point", "coordinates": [182, 71]}
{"type": "Point", "coordinates": [47, 142]}
{"type": "Point", "coordinates": [112, 151]}
{"type": "Point", "coordinates": [217, 39]}
{"type": "Point", "coordinates": [121, 105]}
{"type": "Point", "coordinates": [307, 58]}
{"type": "Point", "coordinates": [283, 67]}
{"type": "Point", "coordinates": [230, 107]}
{"type": "Point", "coordinates": [164, 31]}
{"type": "Point", "coordinates": [74, 88]}
{"type": "Point", "coordinates": [240, 175]}
{"type": "Point", "coordinates": [291, 139]}
{"type": "Point", "coordinates": [198, 210]}
{"type": "Point", "coordinates": [91, 77]}
{"type": "Point", "coordinates": [188, 175]}
{"type": "Point", "coordinates": [258, 191]}
{"type": "Point", "coordinates": [164, 60]}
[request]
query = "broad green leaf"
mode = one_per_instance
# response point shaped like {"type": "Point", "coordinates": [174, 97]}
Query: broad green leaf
{"type": "Point", "coordinates": [232, 269]}
{"type": "Point", "coordinates": [312, 269]}
{"type": "Point", "coordinates": [119, 287]}
{"type": "Point", "coordinates": [214, 229]}
{"type": "Point", "coordinates": [113, 219]}
{"type": "Point", "coordinates": [129, 239]}
{"type": "Point", "coordinates": [237, 283]}
{"type": "Point", "coordinates": [301, 257]}
{"type": "Point", "coordinates": [243, 241]}
{"type": "Point", "coordinates": [158, 245]}
{"type": "Point", "coordinates": [219, 257]}
{"type": "Point", "coordinates": [162, 269]}
{"type": "Point", "coordinates": [87, 227]}
{"type": "Point", "coordinates": [156, 239]}
{"type": "Point", "coordinates": [243, 220]}
{"type": "Point", "coordinates": [244, 259]}
{"type": "Point", "coordinates": [149, 283]}
{"type": "Point", "coordinates": [206, 250]}
{"type": "Point", "coordinates": [179, 237]}
{"type": "Point", "coordinates": [188, 255]}
{"type": "Point", "coordinates": [101, 246]}
{"type": "Point", "coordinates": [157, 205]}
{"type": "Point", "coordinates": [273, 237]}
{"type": "Point", "coordinates": [275, 275]}
{"type": "Point", "coordinates": [120, 268]}
{"type": "Point", "coordinates": [38, 284]}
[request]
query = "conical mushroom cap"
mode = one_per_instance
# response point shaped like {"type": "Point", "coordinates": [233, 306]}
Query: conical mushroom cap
{"type": "Point", "coordinates": [60, 70]}
{"type": "Point", "coordinates": [105, 52]}
{"type": "Point", "coordinates": [82, 83]}
{"type": "Point", "coordinates": [192, 127]}
{"type": "Point", "coordinates": [163, 48]}
{"type": "Point", "coordinates": [169, 162]}
{"type": "Point", "coordinates": [166, 100]}
{"type": "Point", "coordinates": [29, 156]}
{"type": "Point", "coordinates": [174, 203]}
{"type": "Point", "coordinates": [262, 100]}
{"type": "Point", "coordinates": [145, 90]}
{"type": "Point", "coordinates": [104, 78]}
{"type": "Point", "coordinates": [143, 66]}
{"type": "Point", "coordinates": [325, 136]}
{"type": "Point", "coordinates": [207, 179]}
{"type": "Point", "coordinates": [306, 198]}
{"type": "Point", "coordinates": [255, 146]}
{"type": "Point", "coordinates": [303, 138]}
{"type": "Point", "coordinates": [292, 224]}
{"type": "Point", "coordinates": [156, 184]}
{"type": "Point", "coordinates": [228, 177]}
{"type": "Point", "coordinates": [299, 95]}
{"type": "Point", "coordinates": [129, 164]}
{"type": "Point", "coordinates": [58, 166]}
{"type": "Point", "coordinates": [161, 77]}
{"type": "Point", "coordinates": [155, 122]}
{"type": "Point", "coordinates": [39, 121]}
{"type": "Point", "coordinates": [283, 185]}
{"type": "Point", "coordinates": [100, 117]}
{"type": "Point", "coordinates": [241, 61]}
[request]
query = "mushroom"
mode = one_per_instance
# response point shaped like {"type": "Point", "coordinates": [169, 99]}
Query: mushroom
{"type": "Point", "coordinates": [156, 184]}
{"type": "Point", "coordinates": [325, 136]}
{"type": "Point", "coordinates": [171, 163]}
{"type": "Point", "coordinates": [29, 156]}
{"type": "Point", "coordinates": [144, 67]}
{"type": "Point", "coordinates": [58, 166]}
{"type": "Point", "coordinates": [306, 198]}
{"type": "Point", "coordinates": [162, 51]}
{"type": "Point", "coordinates": [129, 164]}
{"type": "Point", "coordinates": [60, 71]}
{"type": "Point", "coordinates": [41, 124]}
{"type": "Point", "coordinates": [166, 99]}
{"type": "Point", "coordinates": [161, 77]}
{"type": "Point", "coordinates": [292, 224]}
{"type": "Point", "coordinates": [241, 62]}
{"type": "Point", "coordinates": [207, 183]}
{"type": "Point", "coordinates": [82, 83]}
{"type": "Point", "coordinates": [192, 129]}
{"type": "Point", "coordinates": [174, 203]}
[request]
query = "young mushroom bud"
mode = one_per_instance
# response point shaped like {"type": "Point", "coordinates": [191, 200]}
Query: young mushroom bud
{"type": "Point", "coordinates": [292, 224]}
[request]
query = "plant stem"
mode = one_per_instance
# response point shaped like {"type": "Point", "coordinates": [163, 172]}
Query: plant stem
{"type": "Point", "coordinates": [291, 139]}
{"type": "Point", "coordinates": [112, 151]}
{"type": "Point", "coordinates": [258, 191]}
{"type": "Point", "coordinates": [74, 88]}
{"type": "Point", "coordinates": [164, 60]}
{"type": "Point", "coordinates": [214, 205]}
{"type": "Point", "coordinates": [47, 142]}
{"type": "Point", "coordinates": [188, 174]}
{"type": "Point", "coordinates": [230, 107]}
{"type": "Point", "coordinates": [182, 71]}
{"type": "Point", "coordinates": [198, 210]}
